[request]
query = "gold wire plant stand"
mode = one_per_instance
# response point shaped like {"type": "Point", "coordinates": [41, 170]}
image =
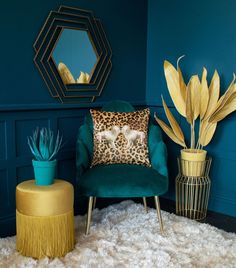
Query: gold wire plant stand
{"type": "Point", "coordinates": [192, 192]}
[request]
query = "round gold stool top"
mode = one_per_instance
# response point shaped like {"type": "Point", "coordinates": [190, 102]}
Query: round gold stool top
{"type": "Point", "coordinates": [44, 219]}
{"type": "Point", "coordinates": [54, 199]}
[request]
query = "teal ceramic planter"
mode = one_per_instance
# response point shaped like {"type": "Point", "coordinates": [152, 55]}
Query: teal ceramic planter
{"type": "Point", "coordinates": [44, 172]}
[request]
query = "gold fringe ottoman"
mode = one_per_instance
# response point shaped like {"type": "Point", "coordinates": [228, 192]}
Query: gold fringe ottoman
{"type": "Point", "coordinates": [44, 219]}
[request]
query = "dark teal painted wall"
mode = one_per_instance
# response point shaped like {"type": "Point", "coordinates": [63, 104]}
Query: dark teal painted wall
{"type": "Point", "coordinates": [26, 103]}
{"type": "Point", "coordinates": [205, 31]}
{"type": "Point", "coordinates": [125, 26]}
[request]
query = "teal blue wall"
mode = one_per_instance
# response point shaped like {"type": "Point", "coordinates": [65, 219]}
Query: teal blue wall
{"type": "Point", "coordinates": [125, 26]}
{"type": "Point", "coordinates": [26, 103]}
{"type": "Point", "coordinates": [205, 32]}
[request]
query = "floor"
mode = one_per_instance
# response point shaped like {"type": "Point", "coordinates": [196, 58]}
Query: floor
{"type": "Point", "coordinates": [218, 220]}
{"type": "Point", "coordinates": [123, 235]}
{"type": "Point", "coordinates": [224, 222]}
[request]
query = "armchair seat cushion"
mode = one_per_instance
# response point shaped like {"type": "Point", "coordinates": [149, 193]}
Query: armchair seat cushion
{"type": "Point", "coordinates": [122, 180]}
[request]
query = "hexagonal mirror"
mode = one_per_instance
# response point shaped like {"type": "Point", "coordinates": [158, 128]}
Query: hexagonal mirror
{"type": "Point", "coordinates": [75, 56]}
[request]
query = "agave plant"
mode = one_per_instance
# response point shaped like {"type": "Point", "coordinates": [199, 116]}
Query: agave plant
{"type": "Point", "coordinates": [42, 144]}
{"type": "Point", "coordinates": [196, 100]}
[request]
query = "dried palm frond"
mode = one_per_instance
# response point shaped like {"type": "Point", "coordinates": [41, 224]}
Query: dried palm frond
{"type": "Point", "coordinates": [82, 78]}
{"type": "Point", "coordinates": [224, 98]}
{"type": "Point", "coordinates": [169, 132]}
{"type": "Point", "coordinates": [204, 94]}
{"type": "Point", "coordinates": [228, 108]}
{"type": "Point", "coordinates": [65, 74]}
{"type": "Point", "coordinates": [196, 99]}
{"type": "Point", "coordinates": [182, 84]}
{"type": "Point", "coordinates": [214, 93]}
{"type": "Point", "coordinates": [174, 125]}
{"type": "Point", "coordinates": [207, 132]}
{"type": "Point", "coordinates": [189, 109]}
{"type": "Point", "coordinates": [195, 95]}
{"type": "Point", "coordinates": [172, 79]}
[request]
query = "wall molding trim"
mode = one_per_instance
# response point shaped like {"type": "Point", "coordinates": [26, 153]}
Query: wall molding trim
{"type": "Point", "coordinates": [58, 106]}
{"type": "Point", "coordinates": [154, 104]}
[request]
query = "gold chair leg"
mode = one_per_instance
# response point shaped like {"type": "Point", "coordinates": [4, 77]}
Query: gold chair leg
{"type": "Point", "coordinates": [157, 203]}
{"type": "Point", "coordinates": [94, 202]}
{"type": "Point", "coordinates": [90, 206]}
{"type": "Point", "coordinates": [145, 204]}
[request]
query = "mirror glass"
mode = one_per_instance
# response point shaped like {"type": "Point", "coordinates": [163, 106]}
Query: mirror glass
{"type": "Point", "coordinates": [75, 56]}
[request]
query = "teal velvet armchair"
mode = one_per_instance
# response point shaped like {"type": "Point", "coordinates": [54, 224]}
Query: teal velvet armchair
{"type": "Point", "coordinates": [121, 180]}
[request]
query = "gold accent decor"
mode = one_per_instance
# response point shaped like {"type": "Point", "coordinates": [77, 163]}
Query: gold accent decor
{"type": "Point", "coordinates": [196, 100]}
{"type": "Point", "coordinates": [92, 203]}
{"type": "Point", "coordinates": [83, 78]}
{"type": "Point", "coordinates": [65, 74]}
{"type": "Point", "coordinates": [145, 204]}
{"type": "Point", "coordinates": [48, 236]}
{"type": "Point", "coordinates": [192, 192]}
{"type": "Point", "coordinates": [158, 209]}
{"type": "Point", "coordinates": [54, 199]}
{"type": "Point", "coordinates": [44, 219]}
{"type": "Point", "coordinates": [195, 162]}
{"type": "Point", "coordinates": [90, 208]}
{"type": "Point", "coordinates": [76, 19]}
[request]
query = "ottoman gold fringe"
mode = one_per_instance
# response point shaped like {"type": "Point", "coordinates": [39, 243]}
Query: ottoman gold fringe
{"type": "Point", "coordinates": [51, 236]}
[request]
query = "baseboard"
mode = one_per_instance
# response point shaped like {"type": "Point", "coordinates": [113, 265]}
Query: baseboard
{"type": "Point", "coordinates": [58, 106]}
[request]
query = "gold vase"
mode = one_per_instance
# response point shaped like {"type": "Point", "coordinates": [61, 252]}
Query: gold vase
{"type": "Point", "coordinates": [193, 162]}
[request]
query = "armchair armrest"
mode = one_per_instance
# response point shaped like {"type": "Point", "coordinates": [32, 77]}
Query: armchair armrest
{"type": "Point", "coordinates": [157, 150]}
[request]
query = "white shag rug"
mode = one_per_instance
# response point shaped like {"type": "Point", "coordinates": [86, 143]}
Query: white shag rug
{"type": "Point", "coordinates": [123, 235]}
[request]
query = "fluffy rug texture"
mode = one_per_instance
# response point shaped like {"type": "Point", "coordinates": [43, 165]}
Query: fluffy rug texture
{"type": "Point", "coordinates": [123, 235]}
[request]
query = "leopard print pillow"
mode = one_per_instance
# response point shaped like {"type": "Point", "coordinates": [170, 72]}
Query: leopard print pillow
{"type": "Point", "coordinates": [120, 137]}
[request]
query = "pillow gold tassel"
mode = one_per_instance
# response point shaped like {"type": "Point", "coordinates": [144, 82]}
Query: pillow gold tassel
{"type": "Point", "coordinates": [51, 236]}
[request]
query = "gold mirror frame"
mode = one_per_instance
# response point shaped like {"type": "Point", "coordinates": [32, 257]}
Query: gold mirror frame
{"type": "Point", "coordinates": [73, 18]}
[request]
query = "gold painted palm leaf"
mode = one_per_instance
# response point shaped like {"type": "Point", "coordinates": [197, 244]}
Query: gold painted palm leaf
{"type": "Point", "coordinates": [204, 94]}
{"type": "Point", "coordinates": [194, 88]}
{"type": "Point", "coordinates": [87, 77]}
{"type": "Point", "coordinates": [214, 93]}
{"type": "Point", "coordinates": [182, 84]}
{"type": "Point", "coordinates": [169, 132]}
{"type": "Point", "coordinates": [174, 124]}
{"type": "Point", "coordinates": [65, 74]}
{"type": "Point", "coordinates": [190, 116]}
{"type": "Point", "coordinates": [225, 98]}
{"type": "Point", "coordinates": [207, 132]}
{"type": "Point", "coordinates": [196, 99]}
{"type": "Point", "coordinates": [82, 78]}
{"type": "Point", "coordinates": [228, 108]}
{"type": "Point", "coordinates": [173, 84]}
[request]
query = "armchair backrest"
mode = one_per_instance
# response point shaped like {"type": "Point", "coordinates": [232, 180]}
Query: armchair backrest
{"type": "Point", "coordinates": [156, 146]}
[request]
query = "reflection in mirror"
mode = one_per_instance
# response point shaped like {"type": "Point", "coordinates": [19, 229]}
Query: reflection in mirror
{"type": "Point", "coordinates": [75, 56]}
